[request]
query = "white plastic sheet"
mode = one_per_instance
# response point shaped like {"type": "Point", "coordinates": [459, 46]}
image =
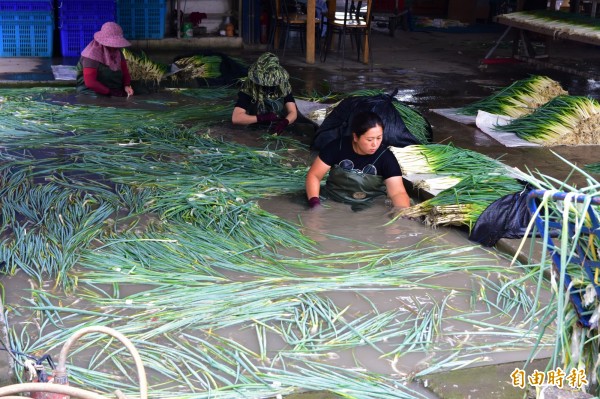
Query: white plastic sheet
{"type": "Point", "coordinates": [488, 124]}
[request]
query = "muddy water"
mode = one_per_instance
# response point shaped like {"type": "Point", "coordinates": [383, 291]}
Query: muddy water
{"type": "Point", "coordinates": [444, 82]}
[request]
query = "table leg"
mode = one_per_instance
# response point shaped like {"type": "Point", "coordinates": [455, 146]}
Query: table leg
{"type": "Point", "coordinates": [310, 31]}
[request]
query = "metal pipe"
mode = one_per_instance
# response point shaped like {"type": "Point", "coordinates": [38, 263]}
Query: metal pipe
{"type": "Point", "coordinates": [60, 373]}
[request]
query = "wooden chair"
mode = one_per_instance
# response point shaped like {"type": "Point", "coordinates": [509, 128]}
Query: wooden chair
{"type": "Point", "coordinates": [355, 21]}
{"type": "Point", "coordinates": [287, 20]}
{"type": "Point", "coordinates": [395, 11]}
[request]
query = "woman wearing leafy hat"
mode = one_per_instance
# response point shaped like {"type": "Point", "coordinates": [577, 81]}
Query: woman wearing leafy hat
{"type": "Point", "coordinates": [102, 68]}
{"type": "Point", "coordinates": [266, 96]}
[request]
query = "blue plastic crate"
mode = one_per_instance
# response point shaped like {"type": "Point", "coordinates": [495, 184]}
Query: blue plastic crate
{"type": "Point", "coordinates": [20, 6]}
{"type": "Point", "coordinates": [142, 22]}
{"type": "Point", "coordinates": [141, 3]}
{"type": "Point", "coordinates": [86, 10]}
{"type": "Point", "coordinates": [26, 17]}
{"type": "Point", "coordinates": [26, 39]}
{"type": "Point", "coordinates": [75, 36]}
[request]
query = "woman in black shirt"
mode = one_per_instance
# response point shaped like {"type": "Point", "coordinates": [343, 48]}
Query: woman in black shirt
{"type": "Point", "coordinates": [359, 168]}
{"type": "Point", "coordinates": [266, 96]}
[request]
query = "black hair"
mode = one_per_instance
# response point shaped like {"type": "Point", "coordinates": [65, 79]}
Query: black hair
{"type": "Point", "coordinates": [364, 121]}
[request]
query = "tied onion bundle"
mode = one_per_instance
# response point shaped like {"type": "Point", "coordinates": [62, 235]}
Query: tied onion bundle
{"type": "Point", "coordinates": [565, 120]}
{"type": "Point", "coordinates": [442, 159]}
{"type": "Point", "coordinates": [143, 68]}
{"type": "Point", "coordinates": [414, 121]}
{"type": "Point", "coordinates": [198, 66]}
{"type": "Point", "coordinates": [520, 98]}
{"type": "Point", "coordinates": [437, 183]}
{"type": "Point", "coordinates": [463, 203]}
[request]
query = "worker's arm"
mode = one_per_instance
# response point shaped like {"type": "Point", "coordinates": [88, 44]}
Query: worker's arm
{"type": "Point", "coordinates": [90, 78]}
{"type": "Point", "coordinates": [126, 77]}
{"type": "Point", "coordinates": [397, 192]}
{"type": "Point", "coordinates": [315, 174]}
{"type": "Point", "coordinates": [292, 112]}
{"type": "Point", "coordinates": [241, 117]}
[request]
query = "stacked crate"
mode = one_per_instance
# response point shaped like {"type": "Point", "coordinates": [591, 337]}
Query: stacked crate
{"type": "Point", "coordinates": [142, 19]}
{"type": "Point", "coordinates": [26, 28]}
{"type": "Point", "coordinates": [79, 20]}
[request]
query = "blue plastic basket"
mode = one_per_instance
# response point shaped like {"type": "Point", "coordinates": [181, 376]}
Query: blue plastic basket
{"type": "Point", "coordinates": [25, 17]}
{"type": "Point", "coordinates": [581, 255]}
{"type": "Point", "coordinates": [75, 36]}
{"type": "Point", "coordinates": [86, 10]}
{"type": "Point", "coordinates": [146, 22]}
{"type": "Point", "coordinates": [26, 39]}
{"type": "Point", "coordinates": [20, 6]}
{"type": "Point", "coordinates": [141, 3]}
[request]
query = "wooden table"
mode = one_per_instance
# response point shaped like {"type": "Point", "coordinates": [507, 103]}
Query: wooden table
{"type": "Point", "coordinates": [559, 27]}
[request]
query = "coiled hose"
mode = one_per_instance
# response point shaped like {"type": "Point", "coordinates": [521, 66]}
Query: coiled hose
{"type": "Point", "coordinates": [60, 374]}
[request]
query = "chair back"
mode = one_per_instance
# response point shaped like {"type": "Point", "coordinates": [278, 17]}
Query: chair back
{"type": "Point", "coordinates": [356, 14]}
{"type": "Point", "coordinates": [288, 10]}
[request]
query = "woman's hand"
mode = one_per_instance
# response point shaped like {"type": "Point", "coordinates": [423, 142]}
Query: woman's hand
{"type": "Point", "coordinates": [267, 117]}
{"type": "Point", "coordinates": [397, 192]}
{"type": "Point", "coordinates": [129, 91]}
{"type": "Point", "coordinates": [280, 126]}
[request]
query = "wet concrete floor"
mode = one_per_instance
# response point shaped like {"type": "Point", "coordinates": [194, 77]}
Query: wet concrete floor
{"type": "Point", "coordinates": [431, 70]}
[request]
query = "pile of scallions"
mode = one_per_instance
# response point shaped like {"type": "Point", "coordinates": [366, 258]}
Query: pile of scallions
{"type": "Point", "coordinates": [520, 98]}
{"type": "Point", "coordinates": [141, 221]}
{"type": "Point", "coordinates": [564, 120]}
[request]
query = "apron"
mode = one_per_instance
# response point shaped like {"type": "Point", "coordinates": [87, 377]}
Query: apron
{"type": "Point", "coordinates": [270, 105]}
{"type": "Point", "coordinates": [349, 187]}
{"type": "Point", "coordinates": [354, 187]}
{"type": "Point", "coordinates": [106, 76]}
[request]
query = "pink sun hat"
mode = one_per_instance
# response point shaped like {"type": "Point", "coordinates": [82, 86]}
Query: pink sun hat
{"type": "Point", "coordinates": [111, 35]}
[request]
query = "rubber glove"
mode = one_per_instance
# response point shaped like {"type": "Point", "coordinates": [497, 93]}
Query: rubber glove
{"type": "Point", "coordinates": [268, 117]}
{"type": "Point", "coordinates": [281, 125]}
{"type": "Point", "coordinates": [314, 202]}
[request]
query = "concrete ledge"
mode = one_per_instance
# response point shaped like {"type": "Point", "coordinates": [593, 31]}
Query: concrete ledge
{"type": "Point", "coordinates": [193, 43]}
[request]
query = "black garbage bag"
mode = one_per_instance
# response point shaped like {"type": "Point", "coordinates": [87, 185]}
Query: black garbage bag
{"type": "Point", "coordinates": [507, 217]}
{"type": "Point", "coordinates": [396, 133]}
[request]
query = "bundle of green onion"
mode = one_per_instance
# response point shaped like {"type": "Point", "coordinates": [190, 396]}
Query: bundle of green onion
{"type": "Point", "coordinates": [414, 121]}
{"type": "Point", "coordinates": [561, 23]}
{"type": "Point", "coordinates": [520, 98]}
{"type": "Point", "coordinates": [437, 183]}
{"type": "Point", "coordinates": [565, 120]}
{"type": "Point", "coordinates": [442, 159]}
{"type": "Point", "coordinates": [143, 68]}
{"type": "Point", "coordinates": [464, 202]}
{"type": "Point", "coordinates": [198, 66]}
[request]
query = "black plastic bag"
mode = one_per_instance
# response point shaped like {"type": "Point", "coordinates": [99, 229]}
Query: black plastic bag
{"type": "Point", "coordinates": [507, 217]}
{"type": "Point", "coordinates": [338, 123]}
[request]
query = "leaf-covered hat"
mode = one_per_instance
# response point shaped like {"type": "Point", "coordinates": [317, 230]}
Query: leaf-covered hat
{"type": "Point", "coordinates": [266, 71]}
{"type": "Point", "coordinates": [266, 80]}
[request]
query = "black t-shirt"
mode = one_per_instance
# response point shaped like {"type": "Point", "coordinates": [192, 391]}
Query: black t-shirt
{"type": "Point", "coordinates": [383, 159]}
{"type": "Point", "coordinates": [245, 101]}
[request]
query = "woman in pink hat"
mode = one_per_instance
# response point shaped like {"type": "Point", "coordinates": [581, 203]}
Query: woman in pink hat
{"type": "Point", "coordinates": [102, 67]}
